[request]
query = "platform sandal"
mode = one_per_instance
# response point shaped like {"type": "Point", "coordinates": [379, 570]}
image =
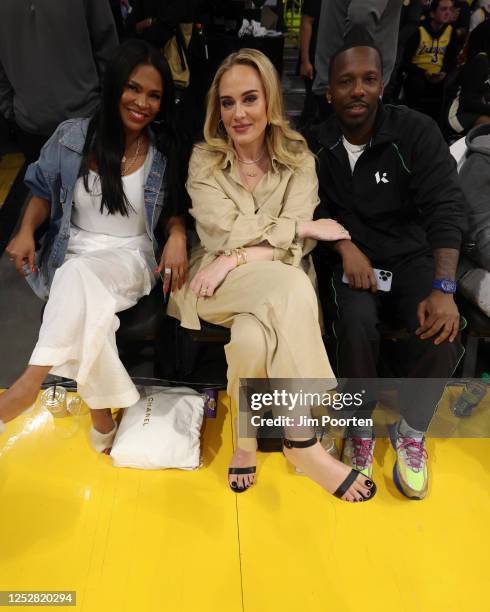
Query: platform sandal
{"type": "Point", "coordinates": [241, 470]}
{"type": "Point", "coordinates": [344, 486]}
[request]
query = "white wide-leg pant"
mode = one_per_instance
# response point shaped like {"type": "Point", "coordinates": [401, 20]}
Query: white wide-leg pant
{"type": "Point", "coordinates": [101, 276]}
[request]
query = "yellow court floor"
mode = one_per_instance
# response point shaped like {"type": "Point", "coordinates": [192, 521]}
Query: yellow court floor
{"type": "Point", "coordinates": [141, 541]}
{"type": "Point", "coordinates": [9, 168]}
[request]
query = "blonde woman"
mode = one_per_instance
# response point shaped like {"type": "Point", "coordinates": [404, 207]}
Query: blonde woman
{"type": "Point", "coordinates": [253, 187]}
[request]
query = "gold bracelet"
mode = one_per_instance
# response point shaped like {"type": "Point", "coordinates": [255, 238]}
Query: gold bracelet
{"type": "Point", "coordinates": [230, 253]}
{"type": "Point", "coordinates": [241, 256]}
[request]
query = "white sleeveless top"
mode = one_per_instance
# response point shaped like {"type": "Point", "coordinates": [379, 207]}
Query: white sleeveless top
{"type": "Point", "coordinates": [86, 213]}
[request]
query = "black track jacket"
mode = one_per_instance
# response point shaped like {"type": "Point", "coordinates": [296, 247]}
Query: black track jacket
{"type": "Point", "coordinates": [403, 198]}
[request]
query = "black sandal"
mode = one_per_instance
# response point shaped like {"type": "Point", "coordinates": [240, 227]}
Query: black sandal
{"type": "Point", "coordinates": [237, 470]}
{"type": "Point", "coordinates": [342, 488]}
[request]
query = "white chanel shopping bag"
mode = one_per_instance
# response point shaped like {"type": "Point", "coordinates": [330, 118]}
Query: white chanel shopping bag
{"type": "Point", "coordinates": [162, 430]}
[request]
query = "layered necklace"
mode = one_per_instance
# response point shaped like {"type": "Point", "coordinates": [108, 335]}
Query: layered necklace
{"type": "Point", "coordinates": [249, 162]}
{"type": "Point", "coordinates": [127, 165]}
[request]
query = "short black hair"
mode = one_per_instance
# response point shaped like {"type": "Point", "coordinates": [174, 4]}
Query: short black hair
{"type": "Point", "coordinates": [434, 5]}
{"type": "Point", "coordinates": [357, 36]}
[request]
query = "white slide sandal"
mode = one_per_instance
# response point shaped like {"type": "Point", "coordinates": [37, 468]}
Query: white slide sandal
{"type": "Point", "coordinates": [102, 441]}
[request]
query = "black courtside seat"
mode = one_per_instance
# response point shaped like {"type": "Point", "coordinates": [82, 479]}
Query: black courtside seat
{"type": "Point", "coordinates": [190, 342]}
{"type": "Point", "coordinates": [142, 322]}
{"type": "Point", "coordinates": [141, 327]}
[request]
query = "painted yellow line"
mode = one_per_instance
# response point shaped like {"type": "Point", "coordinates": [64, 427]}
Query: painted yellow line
{"type": "Point", "coordinates": [9, 168]}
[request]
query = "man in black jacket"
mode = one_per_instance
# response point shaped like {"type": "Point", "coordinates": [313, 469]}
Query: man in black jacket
{"type": "Point", "coordinates": [387, 176]}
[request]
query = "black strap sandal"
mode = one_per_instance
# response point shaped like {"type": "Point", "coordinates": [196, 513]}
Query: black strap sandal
{"type": "Point", "coordinates": [343, 487]}
{"type": "Point", "coordinates": [244, 470]}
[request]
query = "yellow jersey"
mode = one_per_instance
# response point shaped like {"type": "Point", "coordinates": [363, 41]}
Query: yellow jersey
{"type": "Point", "coordinates": [431, 51]}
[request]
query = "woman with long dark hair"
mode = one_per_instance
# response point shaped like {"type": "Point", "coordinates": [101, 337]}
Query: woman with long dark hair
{"type": "Point", "coordinates": [107, 186]}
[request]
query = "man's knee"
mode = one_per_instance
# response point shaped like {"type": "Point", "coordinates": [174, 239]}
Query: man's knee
{"type": "Point", "coordinates": [358, 316]}
{"type": "Point", "coordinates": [441, 359]}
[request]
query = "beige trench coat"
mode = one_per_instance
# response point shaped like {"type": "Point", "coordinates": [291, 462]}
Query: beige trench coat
{"type": "Point", "coordinates": [229, 216]}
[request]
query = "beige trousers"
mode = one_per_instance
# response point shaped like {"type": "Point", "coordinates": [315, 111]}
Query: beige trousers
{"type": "Point", "coordinates": [272, 311]}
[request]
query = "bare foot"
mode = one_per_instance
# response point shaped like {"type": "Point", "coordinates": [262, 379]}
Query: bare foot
{"type": "Point", "coordinates": [20, 396]}
{"type": "Point", "coordinates": [328, 472]}
{"type": "Point", "coordinates": [242, 459]}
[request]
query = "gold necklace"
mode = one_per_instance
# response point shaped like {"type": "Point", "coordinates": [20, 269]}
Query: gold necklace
{"type": "Point", "coordinates": [251, 161]}
{"type": "Point", "coordinates": [130, 164]}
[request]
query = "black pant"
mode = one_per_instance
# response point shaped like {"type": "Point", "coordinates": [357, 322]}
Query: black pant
{"type": "Point", "coordinates": [356, 329]}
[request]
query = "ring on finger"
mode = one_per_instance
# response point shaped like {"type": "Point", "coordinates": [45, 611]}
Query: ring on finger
{"type": "Point", "coordinates": [204, 291]}
{"type": "Point", "coordinates": [167, 271]}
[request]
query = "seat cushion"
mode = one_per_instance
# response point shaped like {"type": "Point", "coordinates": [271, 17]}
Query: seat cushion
{"type": "Point", "coordinates": [210, 333]}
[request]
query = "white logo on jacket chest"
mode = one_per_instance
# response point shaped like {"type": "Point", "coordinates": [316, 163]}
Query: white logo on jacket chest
{"type": "Point", "coordinates": [381, 178]}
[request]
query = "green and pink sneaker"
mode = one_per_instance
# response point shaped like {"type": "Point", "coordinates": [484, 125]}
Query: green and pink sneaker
{"type": "Point", "coordinates": [358, 454]}
{"type": "Point", "coordinates": [410, 470]}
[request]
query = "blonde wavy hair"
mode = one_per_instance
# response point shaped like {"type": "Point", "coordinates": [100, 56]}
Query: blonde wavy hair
{"type": "Point", "coordinates": [285, 144]}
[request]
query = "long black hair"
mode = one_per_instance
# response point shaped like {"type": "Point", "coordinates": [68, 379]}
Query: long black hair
{"type": "Point", "coordinates": [105, 140]}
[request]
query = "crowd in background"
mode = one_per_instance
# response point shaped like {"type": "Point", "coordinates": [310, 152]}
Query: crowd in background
{"type": "Point", "coordinates": [437, 64]}
{"type": "Point", "coordinates": [440, 58]}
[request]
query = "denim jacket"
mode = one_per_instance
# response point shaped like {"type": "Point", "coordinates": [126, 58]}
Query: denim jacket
{"type": "Point", "coordinates": [53, 177]}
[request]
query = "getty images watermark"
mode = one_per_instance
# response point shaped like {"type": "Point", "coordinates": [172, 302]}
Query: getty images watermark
{"type": "Point", "coordinates": [453, 408]}
{"type": "Point", "coordinates": [299, 402]}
